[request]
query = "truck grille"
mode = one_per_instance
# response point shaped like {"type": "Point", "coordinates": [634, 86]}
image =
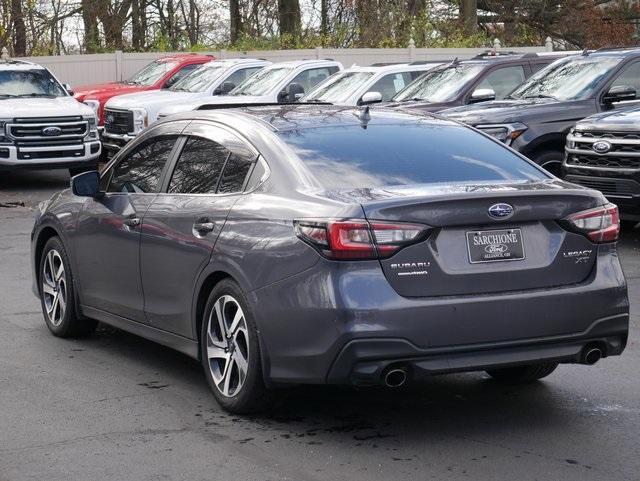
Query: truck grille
{"type": "Point", "coordinates": [609, 187]}
{"type": "Point", "coordinates": [118, 121]}
{"type": "Point", "coordinates": [623, 154]}
{"type": "Point", "coordinates": [47, 130]}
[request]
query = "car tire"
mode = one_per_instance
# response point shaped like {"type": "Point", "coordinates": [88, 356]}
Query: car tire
{"type": "Point", "coordinates": [230, 351]}
{"type": "Point", "coordinates": [550, 160]}
{"type": "Point", "coordinates": [57, 293]}
{"type": "Point", "coordinates": [523, 374]}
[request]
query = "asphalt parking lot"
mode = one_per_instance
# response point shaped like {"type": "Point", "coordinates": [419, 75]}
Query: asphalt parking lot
{"type": "Point", "coordinates": [117, 407]}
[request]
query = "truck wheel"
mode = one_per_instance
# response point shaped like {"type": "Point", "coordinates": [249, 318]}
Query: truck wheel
{"type": "Point", "coordinates": [523, 374]}
{"type": "Point", "coordinates": [550, 160]}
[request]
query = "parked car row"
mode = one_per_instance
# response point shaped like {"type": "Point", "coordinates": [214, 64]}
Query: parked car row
{"type": "Point", "coordinates": [529, 102]}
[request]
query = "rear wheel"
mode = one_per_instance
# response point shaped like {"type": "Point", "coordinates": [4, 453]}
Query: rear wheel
{"type": "Point", "coordinates": [550, 160]}
{"type": "Point", "coordinates": [523, 374]}
{"type": "Point", "coordinates": [57, 294]}
{"type": "Point", "coordinates": [230, 351]}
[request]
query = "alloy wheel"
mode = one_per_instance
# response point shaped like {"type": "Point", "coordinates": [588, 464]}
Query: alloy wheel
{"type": "Point", "coordinates": [227, 345]}
{"type": "Point", "coordinates": [54, 287]}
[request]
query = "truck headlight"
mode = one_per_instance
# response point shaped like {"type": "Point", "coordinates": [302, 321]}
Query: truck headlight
{"type": "Point", "coordinates": [505, 133]}
{"type": "Point", "coordinates": [140, 119]}
{"type": "Point", "coordinates": [94, 104]}
{"type": "Point", "coordinates": [3, 130]}
{"type": "Point", "coordinates": [92, 134]}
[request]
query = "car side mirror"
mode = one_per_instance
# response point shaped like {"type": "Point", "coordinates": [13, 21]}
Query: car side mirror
{"type": "Point", "coordinates": [224, 89]}
{"type": "Point", "coordinates": [619, 93]}
{"type": "Point", "coordinates": [482, 95]}
{"type": "Point", "coordinates": [68, 88]}
{"type": "Point", "coordinates": [293, 92]}
{"type": "Point", "coordinates": [86, 184]}
{"type": "Point", "coordinates": [370, 98]}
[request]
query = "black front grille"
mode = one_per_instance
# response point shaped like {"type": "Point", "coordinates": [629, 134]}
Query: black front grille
{"type": "Point", "coordinates": [609, 187]}
{"type": "Point", "coordinates": [598, 134]}
{"type": "Point", "coordinates": [57, 154]}
{"type": "Point", "coordinates": [118, 121]}
{"type": "Point", "coordinates": [608, 162]}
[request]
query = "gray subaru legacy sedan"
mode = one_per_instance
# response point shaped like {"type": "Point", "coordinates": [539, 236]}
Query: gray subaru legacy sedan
{"type": "Point", "coordinates": [318, 244]}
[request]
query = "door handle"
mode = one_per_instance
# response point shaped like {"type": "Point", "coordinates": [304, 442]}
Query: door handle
{"type": "Point", "coordinates": [132, 221]}
{"type": "Point", "coordinates": [204, 226]}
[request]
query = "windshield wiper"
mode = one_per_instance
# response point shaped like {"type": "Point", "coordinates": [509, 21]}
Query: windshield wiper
{"type": "Point", "coordinates": [49, 96]}
{"type": "Point", "coordinates": [540, 96]}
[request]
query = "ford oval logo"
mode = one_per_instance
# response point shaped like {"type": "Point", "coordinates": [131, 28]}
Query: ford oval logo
{"type": "Point", "coordinates": [51, 131]}
{"type": "Point", "coordinates": [601, 147]}
{"type": "Point", "coordinates": [496, 248]}
{"type": "Point", "coordinates": [500, 211]}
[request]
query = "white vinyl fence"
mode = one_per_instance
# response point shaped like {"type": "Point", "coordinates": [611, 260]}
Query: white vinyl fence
{"type": "Point", "coordinates": [95, 68]}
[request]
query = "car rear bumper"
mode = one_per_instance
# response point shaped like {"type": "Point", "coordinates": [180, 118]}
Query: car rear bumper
{"type": "Point", "coordinates": [345, 324]}
{"type": "Point", "coordinates": [365, 361]}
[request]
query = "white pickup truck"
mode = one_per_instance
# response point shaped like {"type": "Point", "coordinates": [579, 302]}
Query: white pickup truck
{"type": "Point", "coordinates": [126, 115]}
{"type": "Point", "coordinates": [41, 125]}
{"type": "Point", "coordinates": [283, 82]}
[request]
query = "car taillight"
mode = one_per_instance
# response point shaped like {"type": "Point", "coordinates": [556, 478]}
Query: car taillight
{"type": "Point", "coordinates": [358, 239]}
{"type": "Point", "coordinates": [600, 225]}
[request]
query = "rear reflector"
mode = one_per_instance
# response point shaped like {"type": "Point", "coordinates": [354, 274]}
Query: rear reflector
{"type": "Point", "coordinates": [600, 225]}
{"type": "Point", "coordinates": [357, 239]}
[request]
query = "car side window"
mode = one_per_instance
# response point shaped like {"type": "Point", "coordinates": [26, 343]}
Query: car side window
{"type": "Point", "coordinates": [391, 84]}
{"type": "Point", "coordinates": [199, 166]}
{"type": "Point", "coordinates": [183, 72]}
{"type": "Point", "coordinates": [313, 76]}
{"type": "Point", "coordinates": [239, 76]}
{"type": "Point", "coordinates": [140, 170]}
{"type": "Point", "coordinates": [502, 81]}
{"type": "Point", "coordinates": [235, 172]}
{"type": "Point", "coordinates": [630, 76]}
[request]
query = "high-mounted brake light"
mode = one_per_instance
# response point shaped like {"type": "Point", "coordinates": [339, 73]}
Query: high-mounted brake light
{"type": "Point", "coordinates": [357, 239]}
{"type": "Point", "coordinates": [600, 225]}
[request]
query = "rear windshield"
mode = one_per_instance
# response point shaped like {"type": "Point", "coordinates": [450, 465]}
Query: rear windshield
{"type": "Point", "coordinates": [405, 154]}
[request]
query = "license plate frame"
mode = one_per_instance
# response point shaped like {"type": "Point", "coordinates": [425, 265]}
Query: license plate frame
{"type": "Point", "coordinates": [508, 246]}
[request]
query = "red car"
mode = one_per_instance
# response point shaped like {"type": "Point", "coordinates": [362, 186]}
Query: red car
{"type": "Point", "coordinates": [159, 74]}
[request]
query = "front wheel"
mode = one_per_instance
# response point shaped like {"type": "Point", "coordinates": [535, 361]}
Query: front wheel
{"type": "Point", "coordinates": [57, 294]}
{"type": "Point", "coordinates": [523, 374]}
{"type": "Point", "coordinates": [230, 351]}
{"type": "Point", "coordinates": [550, 160]}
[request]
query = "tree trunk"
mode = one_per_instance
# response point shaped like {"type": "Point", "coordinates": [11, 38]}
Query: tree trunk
{"type": "Point", "coordinates": [289, 19]}
{"type": "Point", "coordinates": [19, 30]}
{"type": "Point", "coordinates": [236, 29]}
{"type": "Point", "coordinates": [469, 16]}
{"type": "Point", "coordinates": [324, 20]}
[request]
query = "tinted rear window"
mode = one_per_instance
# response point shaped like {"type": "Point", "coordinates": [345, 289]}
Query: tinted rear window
{"type": "Point", "coordinates": [405, 154]}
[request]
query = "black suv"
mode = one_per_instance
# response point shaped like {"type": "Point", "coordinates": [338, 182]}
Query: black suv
{"type": "Point", "coordinates": [536, 117]}
{"type": "Point", "coordinates": [603, 152]}
{"type": "Point", "coordinates": [485, 77]}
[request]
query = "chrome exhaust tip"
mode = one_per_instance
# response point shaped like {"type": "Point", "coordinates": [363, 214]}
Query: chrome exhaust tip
{"type": "Point", "coordinates": [395, 377]}
{"type": "Point", "coordinates": [592, 355]}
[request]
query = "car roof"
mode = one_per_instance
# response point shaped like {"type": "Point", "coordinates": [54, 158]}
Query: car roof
{"type": "Point", "coordinates": [299, 63]}
{"type": "Point", "coordinates": [290, 117]}
{"type": "Point", "coordinates": [398, 67]}
{"type": "Point", "coordinates": [183, 57]}
{"type": "Point", "coordinates": [19, 65]}
{"type": "Point", "coordinates": [238, 61]}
